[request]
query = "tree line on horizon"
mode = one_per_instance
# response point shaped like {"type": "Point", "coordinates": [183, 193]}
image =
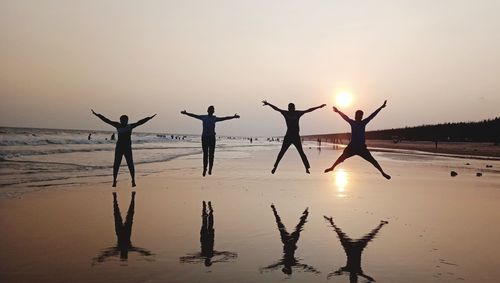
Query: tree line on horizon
{"type": "Point", "coordinates": [487, 130]}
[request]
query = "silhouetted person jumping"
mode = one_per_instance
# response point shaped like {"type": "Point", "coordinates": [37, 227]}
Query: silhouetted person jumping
{"type": "Point", "coordinates": [124, 143]}
{"type": "Point", "coordinates": [289, 241]}
{"type": "Point", "coordinates": [208, 135]}
{"type": "Point", "coordinates": [207, 240]}
{"type": "Point", "coordinates": [292, 135]}
{"type": "Point", "coordinates": [123, 233]}
{"type": "Point", "coordinates": [353, 250]}
{"type": "Point", "coordinates": [357, 146]}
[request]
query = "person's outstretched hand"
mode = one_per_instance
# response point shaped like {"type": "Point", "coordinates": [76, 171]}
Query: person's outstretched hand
{"type": "Point", "coordinates": [322, 105]}
{"type": "Point", "coordinates": [264, 102]}
{"type": "Point", "coordinates": [385, 104]}
{"type": "Point", "coordinates": [152, 116]}
{"type": "Point", "coordinates": [236, 116]}
{"type": "Point", "coordinates": [335, 109]}
{"type": "Point", "coordinates": [183, 112]}
{"type": "Point", "coordinates": [93, 112]}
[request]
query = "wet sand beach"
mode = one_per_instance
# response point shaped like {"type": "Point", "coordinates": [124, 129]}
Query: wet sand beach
{"type": "Point", "coordinates": [440, 228]}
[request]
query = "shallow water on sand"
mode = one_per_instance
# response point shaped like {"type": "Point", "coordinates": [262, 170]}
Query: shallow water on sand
{"type": "Point", "coordinates": [439, 228]}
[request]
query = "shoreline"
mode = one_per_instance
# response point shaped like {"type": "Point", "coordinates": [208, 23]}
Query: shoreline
{"type": "Point", "coordinates": [453, 149]}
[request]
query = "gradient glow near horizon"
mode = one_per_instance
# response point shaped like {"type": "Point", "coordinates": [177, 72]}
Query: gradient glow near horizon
{"type": "Point", "coordinates": [434, 61]}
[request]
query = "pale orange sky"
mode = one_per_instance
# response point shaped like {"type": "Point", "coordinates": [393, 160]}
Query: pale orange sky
{"type": "Point", "coordinates": [434, 61]}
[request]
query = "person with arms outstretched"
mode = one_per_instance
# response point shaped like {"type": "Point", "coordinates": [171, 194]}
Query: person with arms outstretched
{"type": "Point", "coordinates": [208, 135]}
{"type": "Point", "coordinates": [124, 143]}
{"type": "Point", "coordinates": [357, 146]}
{"type": "Point", "coordinates": [292, 135]}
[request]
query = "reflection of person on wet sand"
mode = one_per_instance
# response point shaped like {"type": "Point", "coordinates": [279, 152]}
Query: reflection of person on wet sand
{"type": "Point", "coordinates": [354, 250]}
{"type": "Point", "coordinates": [123, 233]}
{"type": "Point", "coordinates": [124, 143]}
{"type": "Point", "coordinates": [292, 135]}
{"type": "Point", "coordinates": [208, 135]}
{"type": "Point", "coordinates": [207, 240]}
{"type": "Point", "coordinates": [289, 246]}
{"type": "Point", "coordinates": [357, 146]}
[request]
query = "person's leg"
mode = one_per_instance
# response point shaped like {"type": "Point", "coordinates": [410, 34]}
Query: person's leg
{"type": "Point", "coordinates": [118, 218]}
{"type": "Point", "coordinates": [368, 157]}
{"type": "Point", "coordinates": [211, 153]}
{"type": "Point", "coordinates": [116, 165]}
{"type": "Point", "coordinates": [204, 145]}
{"type": "Point", "coordinates": [286, 144]}
{"type": "Point", "coordinates": [130, 164]}
{"type": "Point", "coordinates": [298, 144]}
{"type": "Point", "coordinates": [346, 154]}
{"type": "Point", "coordinates": [129, 220]}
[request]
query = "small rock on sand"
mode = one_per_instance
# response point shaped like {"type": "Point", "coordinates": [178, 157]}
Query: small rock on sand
{"type": "Point", "coordinates": [478, 174]}
{"type": "Point", "coordinates": [453, 173]}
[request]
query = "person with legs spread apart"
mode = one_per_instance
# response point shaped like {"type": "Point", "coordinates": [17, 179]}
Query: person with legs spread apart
{"type": "Point", "coordinates": [292, 135]}
{"type": "Point", "coordinates": [357, 146]}
{"type": "Point", "coordinates": [208, 135]}
{"type": "Point", "coordinates": [124, 143]}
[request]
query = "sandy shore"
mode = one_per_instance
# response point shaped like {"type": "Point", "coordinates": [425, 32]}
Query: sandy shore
{"type": "Point", "coordinates": [440, 229]}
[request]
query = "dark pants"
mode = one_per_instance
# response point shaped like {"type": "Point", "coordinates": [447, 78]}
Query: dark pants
{"type": "Point", "coordinates": [296, 141]}
{"type": "Point", "coordinates": [120, 151]}
{"type": "Point", "coordinates": [208, 145]}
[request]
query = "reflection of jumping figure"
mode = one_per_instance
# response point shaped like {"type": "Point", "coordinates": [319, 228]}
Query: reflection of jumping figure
{"type": "Point", "coordinates": [354, 250]}
{"type": "Point", "coordinates": [292, 135]}
{"type": "Point", "coordinates": [289, 241]}
{"type": "Point", "coordinates": [123, 232]}
{"type": "Point", "coordinates": [357, 146]}
{"type": "Point", "coordinates": [207, 240]}
{"type": "Point", "coordinates": [124, 143]}
{"type": "Point", "coordinates": [208, 135]}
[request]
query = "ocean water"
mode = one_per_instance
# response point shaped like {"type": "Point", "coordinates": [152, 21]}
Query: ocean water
{"type": "Point", "coordinates": [37, 158]}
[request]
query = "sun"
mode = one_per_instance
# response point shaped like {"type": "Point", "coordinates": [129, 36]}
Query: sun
{"type": "Point", "coordinates": [343, 99]}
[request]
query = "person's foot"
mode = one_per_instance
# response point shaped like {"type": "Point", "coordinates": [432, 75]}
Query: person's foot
{"type": "Point", "coordinates": [133, 193]}
{"type": "Point", "coordinates": [386, 176]}
{"type": "Point", "coordinates": [274, 170]}
{"type": "Point", "coordinates": [114, 184]}
{"type": "Point", "coordinates": [210, 171]}
{"type": "Point", "coordinates": [204, 172]}
{"type": "Point", "coordinates": [307, 171]}
{"type": "Point", "coordinates": [210, 206]}
{"type": "Point", "coordinates": [133, 183]}
{"type": "Point", "coordinates": [328, 169]}
{"type": "Point", "coordinates": [114, 194]}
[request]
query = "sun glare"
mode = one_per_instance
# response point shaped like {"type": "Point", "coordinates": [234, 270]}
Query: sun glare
{"type": "Point", "coordinates": [343, 99]}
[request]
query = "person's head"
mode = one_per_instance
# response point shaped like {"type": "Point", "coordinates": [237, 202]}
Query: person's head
{"type": "Point", "coordinates": [291, 107]}
{"type": "Point", "coordinates": [211, 110]}
{"type": "Point", "coordinates": [359, 115]}
{"type": "Point", "coordinates": [124, 120]}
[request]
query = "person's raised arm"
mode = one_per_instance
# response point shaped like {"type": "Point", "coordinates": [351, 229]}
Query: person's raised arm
{"type": "Point", "coordinates": [264, 102]}
{"type": "Point", "coordinates": [314, 108]}
{"type": "Point", "coordinates": [106, 120]}
{"type": "Point", "coordinates": [235, 116]}
{"type": "Point", "coordinates": [375, 112]}
{"type": "Point", "coordinates": [191, 114]}
{"type": "Point", "coordinates": [142, 121]}
{"type": "Point", "coordinates": [344, 116]}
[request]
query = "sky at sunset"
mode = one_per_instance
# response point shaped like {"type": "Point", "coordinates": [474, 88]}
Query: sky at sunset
{"type": "Point", "coordinates": [434, 61]}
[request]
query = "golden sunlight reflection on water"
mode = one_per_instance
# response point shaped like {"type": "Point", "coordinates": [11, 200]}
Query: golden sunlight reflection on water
{"type": "Point", "coordinates": [340, 179]}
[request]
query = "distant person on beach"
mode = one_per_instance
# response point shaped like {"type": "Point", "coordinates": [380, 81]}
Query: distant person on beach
{"type": "Point", "coordinates": [357, 146]}
{"type": "Point", "coordinates": [90, 136]}
{"type": "Point", "coordinates": [113, 137]}
{"type": "Point", "coordinates": [124, 143]}
{"type": "Point", "coordinates": [292, 136]}
{"type": "Point", "coordinates": [208, 135]}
